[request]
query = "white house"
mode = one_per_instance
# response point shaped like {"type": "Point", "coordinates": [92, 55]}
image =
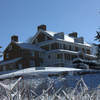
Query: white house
{"type": "Point", "coordinates": [47, 48]}
{"type": "Point", "coordinates": [61, 49]}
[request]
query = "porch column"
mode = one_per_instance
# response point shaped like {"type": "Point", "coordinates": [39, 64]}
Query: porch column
{"type": "Point", "coordinates": [49, 46]}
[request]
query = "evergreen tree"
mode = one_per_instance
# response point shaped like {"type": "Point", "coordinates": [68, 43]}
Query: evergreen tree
{"type": "Point", "coordinates": [97, 38]}
{"type": "Point", "coordinates": [0, 52]}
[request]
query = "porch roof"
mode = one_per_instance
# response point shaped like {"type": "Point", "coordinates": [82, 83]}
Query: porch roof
{"type": "Point", "coordinates": [70, 52]}
{"type": "Point", "coordinates": [10, 61]}
{"type": "Point", "coordinates": [29, 46]}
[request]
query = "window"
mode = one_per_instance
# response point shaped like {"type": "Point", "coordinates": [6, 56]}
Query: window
{"type": "Point", "coordinates": [31, 62]}
{"type": "Point", "coordinates": [46, 47]}
{"type": "Point", "coordinates": [74, 56]}
{"type": "Point", "coordinates": [59, 56]}
{"type": "Point", "coordinates": [88, 51]}
{"type": "Point", "coordinates": [69, 47]}
{"type": "Point", "coordinates": [54, 46]}
{"type": "Point", "coordinates": [7, 55]}
{"type": "Point", "coordinates": [20, 66]}
{"type": "Point", "coordinates": [76, 49]}
{"type": "Point", "coordinates": [64, 46]}
{"type": "Point", "coordinates": [83, 50]}
{"type": "Point", "coordinates": [32, 53]}
{"type": "Point", "coordinates": [60, 46]}
{"type": "Point", "coordinates": [68, 57]}
{"type": "Point", "coordinates": [49, 56]}
{"type": "Point", "coordinates": [65, 56]}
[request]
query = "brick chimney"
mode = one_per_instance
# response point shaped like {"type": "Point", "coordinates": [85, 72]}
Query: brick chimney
{"type": "Point", "coordinates": [41, 27]}
{"type": "Point", "coordinates": [73, 34]}
{"type": "Point", "coordinates": [14, 38]}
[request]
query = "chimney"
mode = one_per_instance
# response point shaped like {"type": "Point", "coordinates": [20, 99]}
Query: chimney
{"type": "Point", "coordinates": [14, 38]}
{"type": "Point", "coordinates": [73, 34]}
{"type": "Point", "coordinates": [41, 27]}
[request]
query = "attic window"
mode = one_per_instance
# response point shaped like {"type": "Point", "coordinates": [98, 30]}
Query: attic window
{"type": "Point", "coordinates": [41, 37]}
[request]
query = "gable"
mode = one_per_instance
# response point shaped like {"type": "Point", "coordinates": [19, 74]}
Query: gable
{"type": "Point", "coordinates": [29, 46]}
{"type": "Point", "coordinates": [10, 47]}
{"type": "Point", "coordinates": [41, 36]}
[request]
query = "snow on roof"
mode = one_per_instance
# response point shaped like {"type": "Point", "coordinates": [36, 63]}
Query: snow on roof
{"type": "Point", "coordinates": [66, 38]}
{"type": "Point", "coordinates": [87, 44]}
{"type": "Point", "coordinates": [61, 50]}
{"type": "Point", "coordinates": [29, 46]}
{"type": "Point", "coordinates": [10, 61]}
{"type": "Point", "coordinates": [51, 33]}
{"type": "Point", "coordinates": [77, 59]}
{"type": "Point", "coordinates": [69, 39]}
{"type": "Point", "coordinates": [91, 55]}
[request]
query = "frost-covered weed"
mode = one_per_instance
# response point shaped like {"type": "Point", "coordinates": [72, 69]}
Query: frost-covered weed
{"type": "Point", "coordinates": [46, 89]}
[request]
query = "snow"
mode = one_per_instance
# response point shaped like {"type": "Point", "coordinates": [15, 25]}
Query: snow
{"type": "Point", "coordinates": [38, 71]}
{"type": "Point", "coordinates": [29, 46]}
{"type": "Point", "coordinates": [10, 61]}
{"type": "Point", "coordinates": [87, 44]}
{"type": "Point", "coordinates": [68, 51]}
{"type": "Point", "coordinates": [51, 33]}
{"type": "Point", "coordinates": [69, 39]}
{"type": "Point", "coordinates": [77, 59]}
{"type": "Point", "coordinates": [10, 86]}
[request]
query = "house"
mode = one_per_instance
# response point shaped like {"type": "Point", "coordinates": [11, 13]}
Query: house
{"type": "Point", "coordinates": [61, 49]}
{"type": "Point", "coordinates": [46, 49]}
{"type": "Point", "coordinates": [20, 55]}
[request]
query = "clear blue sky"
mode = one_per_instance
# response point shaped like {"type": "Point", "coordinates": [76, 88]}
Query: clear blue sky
{"type": "Point", "coordinates": [21, 17]}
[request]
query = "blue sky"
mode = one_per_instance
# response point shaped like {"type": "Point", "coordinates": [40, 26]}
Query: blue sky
{"type": "Point", "coordinates": [21, 17]}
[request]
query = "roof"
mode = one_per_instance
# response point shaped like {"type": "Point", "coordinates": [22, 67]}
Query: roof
{"type": "Point", "coordinates": [10, 61]}
{"type": "Point", "coordinates": [66, 38]}
{"type": "Point", "coordinates": [69, 39]}
{"type": "Point", "coordinates": [29, 46]}
{"type": "Point", "coordinates": [50, 33]}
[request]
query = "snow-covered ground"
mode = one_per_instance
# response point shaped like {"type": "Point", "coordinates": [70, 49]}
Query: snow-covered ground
{"type": "Point", "coordinates": [38, 71]}
{"type": "Point", "coordinates": [51, 88]}
{"type": "Point", "coordinates": [43, 71]}
{"type": "Point", "coordinates": [34, 86]}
